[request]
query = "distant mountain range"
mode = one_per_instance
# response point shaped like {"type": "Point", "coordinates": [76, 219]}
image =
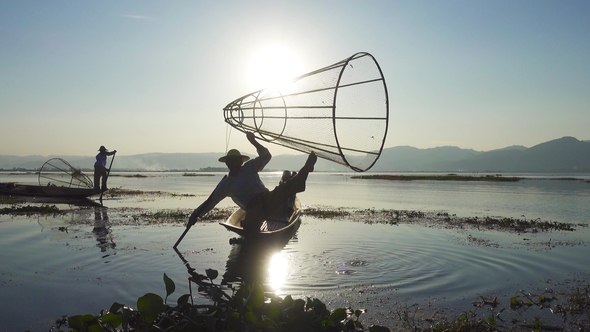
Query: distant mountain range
{"type": "Point", "coordinates": [566, 154]}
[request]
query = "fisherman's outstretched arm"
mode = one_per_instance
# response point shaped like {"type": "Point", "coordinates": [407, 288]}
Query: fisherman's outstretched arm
{"type": "Point", "coordinates": [208, 205]}
{"type": "Point", "coordinates": [264, 155]}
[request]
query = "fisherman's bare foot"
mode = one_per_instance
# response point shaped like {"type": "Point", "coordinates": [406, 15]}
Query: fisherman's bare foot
{"type": "Point", "coordinates": [311, 160]}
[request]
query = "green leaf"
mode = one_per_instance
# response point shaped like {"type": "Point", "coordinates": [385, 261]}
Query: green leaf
{"type": "Point", "coordinates": [287, 301]}
{"type": "Point", "coordinates": [77, 322]}
{"type": "Point", "coordinates": [299, 304]}
{"type": "Point", "coordinates": [359, 312]}
{"type": "Point", "coordinates": [95, 327]}
{"type": "Point", "coordinates": [266, 325]}
{"type": "Point", "coordinates": [170, 286]}
{"type": "Point", "coordinates": [115, 307]}
{"type": "Point", "coordinates": [339, 314]}
{"type": "Point", "coordinates": [273, 310]}
{"type": "Point", "coordinates": [250, 317]}
{"type": "Point", "coordinates": [211, 274]}
{"type": "Point", "coordinates": [115, 319]}
{"type": "Point", "coordinates": [377, 328]}
{"type": "Point", "coordinates": [256, 298]}
{"type": "Point", "coordinates": [150, 305]}
{"type": "Point", "coordinates": [183, 300]}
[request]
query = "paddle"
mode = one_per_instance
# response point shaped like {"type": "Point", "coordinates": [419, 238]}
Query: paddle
{"type": "Point", "coordinates": [189, 225]}
{"type": "Point", "coordinates": [108, 172]}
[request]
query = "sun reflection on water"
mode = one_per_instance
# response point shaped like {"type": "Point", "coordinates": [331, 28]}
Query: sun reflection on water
{"type": "Point", "coordinates": [278, 271]}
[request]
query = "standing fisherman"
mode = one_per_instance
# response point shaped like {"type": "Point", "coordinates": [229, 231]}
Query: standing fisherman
{"type": "Point", "coordinates": [100, 168]}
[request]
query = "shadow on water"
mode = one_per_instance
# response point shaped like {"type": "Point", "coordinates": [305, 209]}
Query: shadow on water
{"type": "Point", "coordinates": [248, 260]}
{"type": "Point", "coordinates": [102, 231]}
{"type": "Point", "coordinates": [250, 256]}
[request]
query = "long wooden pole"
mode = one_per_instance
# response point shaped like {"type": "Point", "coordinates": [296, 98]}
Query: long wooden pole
{"type": "Point", "coordinates": [188, 226]}
{"type": "Point", "coordinates": [108, 172]}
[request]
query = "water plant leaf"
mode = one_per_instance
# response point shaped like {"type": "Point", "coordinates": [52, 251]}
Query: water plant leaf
{"type": "Point", "coordinates": [77, 322]}
{"type": "Point", "coordinates": [359, 312]}
{"type": "Point", "coordinates": [183, 300]}
{"type": "Point", "coordinates": [211, 274]}
{"type": "Point", "coordinates": [266, 325]}
{"type": "Point", "coordinates": [339, 314]}
{"type": "Point", "coordinates": [112, 318]}
{"type": "Point", "coordinates": [170, 286]}
{"type": "Point", "coordinates": [250, 317]}
{"type": "Point", "coordinates": [256, 298]}
{"type": "Point", "coordinates": [273, 310]}
{"type": "Point", "coordinates": [116, 306]}
{"type": "Point", "coordinates": [150, 305]}
{"type": "Point", "coordinates": [377, 328]}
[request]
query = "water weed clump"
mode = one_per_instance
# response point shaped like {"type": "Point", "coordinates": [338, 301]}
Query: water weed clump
{"type": "Point", "coordinates": [241, 308]}
{"type": "Point", "coordinates": [246, 307]}
{"type": "Point", "coordinates": [326, 213]}
{"type": "Point", "coordinates": [31, 210]}
{"type": "Point", "coordinates": [447, 177]}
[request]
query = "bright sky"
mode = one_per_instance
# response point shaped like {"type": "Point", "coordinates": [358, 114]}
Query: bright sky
{"type": "Point", "coordinates": [154, 76]}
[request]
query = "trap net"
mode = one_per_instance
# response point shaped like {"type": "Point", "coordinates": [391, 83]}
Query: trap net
{"type": "Point", "coordinates": [58, 172]}
{"type": "Point", "coordinates": [340, 112]}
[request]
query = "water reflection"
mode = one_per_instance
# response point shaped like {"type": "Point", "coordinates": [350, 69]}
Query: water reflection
{"type": "Point", "coordinates": [260, 260]}
{"type": "Point", "coordinates": [102, 230]}
{"type": "Point", "coordinates": [278, 271]}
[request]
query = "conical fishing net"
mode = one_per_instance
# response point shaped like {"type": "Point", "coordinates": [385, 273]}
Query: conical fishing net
{"type": "Point", "coordinates": [58, 172]}
{"type": "Point", "coordinates": [340, 112]}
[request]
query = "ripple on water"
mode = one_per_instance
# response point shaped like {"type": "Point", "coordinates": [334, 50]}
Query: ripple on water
{"type": "Point", "coordinates": [415, 260]}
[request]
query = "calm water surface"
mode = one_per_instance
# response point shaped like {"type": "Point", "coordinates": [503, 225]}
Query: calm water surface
{"type": "Point", "coordinates": [47, 272]}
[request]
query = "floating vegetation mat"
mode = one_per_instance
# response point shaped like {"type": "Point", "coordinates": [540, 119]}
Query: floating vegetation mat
{"type": "Point", "coordinates": [441, 219]}
{"type": "Point", "coordinates": [447, 177]}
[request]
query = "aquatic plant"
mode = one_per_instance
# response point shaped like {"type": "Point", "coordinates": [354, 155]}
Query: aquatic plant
{"type": "Point", "coordinates": [447, 177]}
{"type": "Point", "coordinates": [326, 213]}
{"type": "Point", "coordinates": [29, 210]}
{"type": "Point", "coordinates": [247, 308]}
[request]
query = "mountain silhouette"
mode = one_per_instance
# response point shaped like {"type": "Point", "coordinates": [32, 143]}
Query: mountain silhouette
{"type": "Point", "coordinates": [566, 154]}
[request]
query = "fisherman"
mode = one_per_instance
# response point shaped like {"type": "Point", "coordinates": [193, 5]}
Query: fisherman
{"type": "Point", "coordinates": [100, 168]}
{"type": "Point", "coordinates": [245, 188]}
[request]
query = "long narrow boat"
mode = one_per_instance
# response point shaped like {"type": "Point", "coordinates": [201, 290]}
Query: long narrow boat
{"type": "Point", "coordinates": [286, 219]}
{"type": "Point", "coordinates": [57, 178]}
{"type": "Point", "coordinates": [12, 188]}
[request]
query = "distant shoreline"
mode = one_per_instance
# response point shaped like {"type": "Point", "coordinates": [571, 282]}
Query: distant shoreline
{"type": "Point", "coordinates": [387, 177]}
{"type": "Point", "coordinates": [454, 177]}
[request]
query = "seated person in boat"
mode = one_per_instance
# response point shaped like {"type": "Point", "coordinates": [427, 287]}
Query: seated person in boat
{"type": "Point", "coordinates": [243, 185]}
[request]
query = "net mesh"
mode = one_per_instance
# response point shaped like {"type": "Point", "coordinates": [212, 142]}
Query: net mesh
{"type": "Point", "coordinates": [340, 112]}
{"type": "Point", "coordinates": [58, 172]}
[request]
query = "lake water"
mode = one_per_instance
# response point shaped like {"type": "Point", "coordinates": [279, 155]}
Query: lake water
{"type": "Point", "coordinates": [83, 261]}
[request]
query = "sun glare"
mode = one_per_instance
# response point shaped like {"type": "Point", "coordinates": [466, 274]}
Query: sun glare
{"type": "Point", "coordinates": [277, 271]}
{"type": "Point", "coordinates": [273, 67]}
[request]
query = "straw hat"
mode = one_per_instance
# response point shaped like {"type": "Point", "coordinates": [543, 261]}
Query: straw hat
{"type": "Point", "coordinates": [233, 153]}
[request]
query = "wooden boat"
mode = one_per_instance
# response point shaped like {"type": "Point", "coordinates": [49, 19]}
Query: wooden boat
{"type": "Point", "coordinates": [46, 191]}
{"type": "Point", "coordinates": [57, 178]}
{"type": "Point", "coordinates": [285, 220]}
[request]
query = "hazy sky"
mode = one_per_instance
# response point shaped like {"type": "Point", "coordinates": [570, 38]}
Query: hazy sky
{"type": "Point", "coordinates": [154, 76]}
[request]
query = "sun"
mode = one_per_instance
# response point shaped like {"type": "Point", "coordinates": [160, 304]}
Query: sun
{"type": "Point", "coordinates": [273, 67]}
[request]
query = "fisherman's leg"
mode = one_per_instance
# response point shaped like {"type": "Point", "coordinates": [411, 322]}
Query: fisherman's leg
{"type": "Point", "coordinates": [253, 219]}
{"type": "Point", "coordinates": [296, 184]}
{"type": "Point", "coordinates": [104, 180]}
{"type": "Point", "coordinates": [96, 178]}
{"type": "Point", "coordinates": [288, 189]}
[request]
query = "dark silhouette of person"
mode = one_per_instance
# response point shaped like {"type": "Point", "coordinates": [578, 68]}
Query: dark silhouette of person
{"type": "Point", "coordinates": [100, 168]}
{"type": "Point", "coordinates": [246, 189]}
